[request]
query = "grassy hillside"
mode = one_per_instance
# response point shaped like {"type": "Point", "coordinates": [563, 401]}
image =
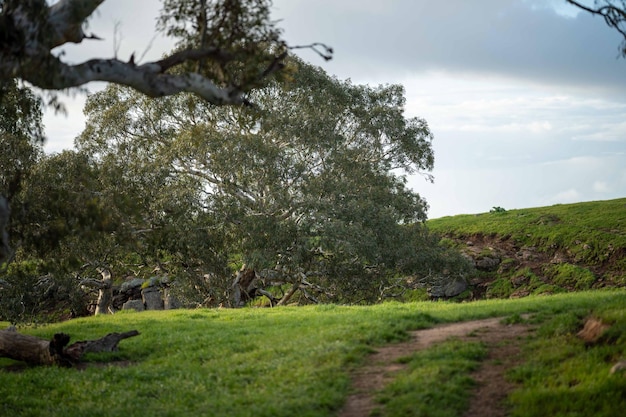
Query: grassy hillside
{"type": "Point", "coordinates": [296, 361]}
{"type": "Point", "coordinates": [542, 250]}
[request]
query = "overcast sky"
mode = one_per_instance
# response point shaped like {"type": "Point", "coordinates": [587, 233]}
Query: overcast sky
{"type": "Point", "coordinates": [526, 98]}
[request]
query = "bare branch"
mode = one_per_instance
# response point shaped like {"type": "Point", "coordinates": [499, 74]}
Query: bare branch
{"type": "Point", "coordinates": [327, 54]}
{"type": "Point", "coordinates": [614, 16]}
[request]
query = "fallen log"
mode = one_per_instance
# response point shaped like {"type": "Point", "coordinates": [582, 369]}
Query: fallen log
{"type": "Point", "coordinates": [36, 351]}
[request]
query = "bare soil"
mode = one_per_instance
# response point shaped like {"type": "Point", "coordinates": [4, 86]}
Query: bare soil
{"type": "Point", "coordinates": [491, 388]}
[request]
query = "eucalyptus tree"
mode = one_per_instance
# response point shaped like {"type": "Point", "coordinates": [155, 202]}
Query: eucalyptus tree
{"type": "Point", "coordinates": [59, 223]}
{"type": "Point", "coordinates": [21, 137]}
{"type": "Point", "coordinates": [309, 185]}
{"type": "Point", "coordinates": [225, 49]}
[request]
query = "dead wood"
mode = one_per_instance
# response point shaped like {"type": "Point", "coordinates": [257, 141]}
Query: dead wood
{"type": "Point", "coordinates": [36, 351]}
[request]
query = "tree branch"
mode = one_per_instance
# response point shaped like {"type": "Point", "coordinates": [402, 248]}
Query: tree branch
{"type": "Point", "coordinates": [66, 17]}
{"type": "Point", "coordinates": [613, 16]}
{"type": "Point", "coordinates": [194, 55]}
{"type": "Point", "coordinates": [32, 31]}
{"type": "Point", "coordinates": [149, 78]}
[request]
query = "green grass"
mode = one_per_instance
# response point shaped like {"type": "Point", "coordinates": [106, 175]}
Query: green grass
{"type": "Point", "coordinates": [592, 231]}
{"type": "Point", "coordinates": [568, 247]}
{"type": "Point", "coordinates": [564, 376]}
{"type": "Point", "coordinates": [436, 383]}
{"type": "Point", "coordinates": [297, 360]}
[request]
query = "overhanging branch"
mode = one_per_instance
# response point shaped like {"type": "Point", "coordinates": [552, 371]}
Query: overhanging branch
{"type": "Point", "coordinates": [33, 31]}
{"type": "Point", "coordinates": [614, 16]}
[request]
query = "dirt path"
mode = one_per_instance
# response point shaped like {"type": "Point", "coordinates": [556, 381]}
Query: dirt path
{"type": "Point", "coordinates": [491, 389]}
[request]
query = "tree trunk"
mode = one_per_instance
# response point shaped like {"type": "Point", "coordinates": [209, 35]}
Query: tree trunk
{"type": "Point", "coordinates": [294, 287]}
{"type": "Point", "coordinates": [36, 351]}
{"type": "Point", "coordinates": [244, 286]}
{"type": "Point", "coordinates": [105, 293]}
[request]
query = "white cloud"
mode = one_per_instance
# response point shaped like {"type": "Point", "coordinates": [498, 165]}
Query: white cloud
{"type": "Point", "coordinates": [571, 195]}
{"type": "Point", "coordinates": [601, 187]}
{"type": "Point", "coordinates": [585, 161]}
{"type": "Point", "coordinates": [521, 118]}
{"type": "Point", "coordinates": [605, 131]}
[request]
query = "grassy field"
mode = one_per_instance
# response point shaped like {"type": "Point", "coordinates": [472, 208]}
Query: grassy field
{"type": "Point", "coordinates": [591, 230]}
{"type": "Point", "coordinates": [297, 361]}
{"type": "Point", "coordinates": [565, 247]}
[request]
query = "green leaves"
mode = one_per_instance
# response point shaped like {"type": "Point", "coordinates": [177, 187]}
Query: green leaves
{"type": "Point", "coordinates": [245, 41]}
{"type": "Point", "coordinates": [310, 181]}
{"type": "Point", "coordinates": [21, 135]}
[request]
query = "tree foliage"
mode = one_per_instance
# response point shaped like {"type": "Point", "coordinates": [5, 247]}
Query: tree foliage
{"type": "Point", "coordinates": [21, 137]}
{"type": "Point", "coordinates": [72, 211]}
{"type": "Point", "coordinates": [21, 134]}
{"type": "Point", "coordinates": [307, 188]}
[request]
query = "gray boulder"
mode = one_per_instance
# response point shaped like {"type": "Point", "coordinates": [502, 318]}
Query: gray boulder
{"type": "Point", "coordinates": [449, 289]}
{"type": "Point", "coordinates": [152, 298]}
{"type": "Point", "coordinates": [133, 305]}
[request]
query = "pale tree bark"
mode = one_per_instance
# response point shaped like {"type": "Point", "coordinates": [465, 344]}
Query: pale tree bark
{"type": "Point", "coordinates": [36, 351]}
{"type": "Point", "coordinates": [248, 285]}
{"type": "Point", "coordinates": [105, 291]}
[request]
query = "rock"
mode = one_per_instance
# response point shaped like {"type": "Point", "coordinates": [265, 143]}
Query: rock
{"type": "Point", "coordinates": [130, 289]}
{"type": "Point", "coordinates": [456, 287]}
{"type": "Point", "coordinates": [520, 293]}
{"type": "Point", "coordinates": [449, 289]}
{"type": "Point", "coordinates": [133, 305]}
{"type": "Point", "coordinates": [527, 253]}
{"type": "Point", "coordinates": [593, 330]}
{"type": "Point", "coordinates": [618, 367]}
{"type": "Point", "coordinates": [152, 298]}
{"type": "Point", "coordinates": [558, 258]}
{"type": "Point", "coordinates": [131, 284]}
{"type": "Point", "coordinates": [487, 263]}
{"type": "Point", "coordinates": [520, 280]}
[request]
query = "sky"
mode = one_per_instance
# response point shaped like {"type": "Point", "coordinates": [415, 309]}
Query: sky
{"type": "Point", "coordinates": [526, 99]}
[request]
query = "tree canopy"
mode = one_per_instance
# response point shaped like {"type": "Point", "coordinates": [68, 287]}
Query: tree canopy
{"type": "Point", "coordinates": [302, 195]}
{"type": "Point", "coordinates": [226, 49]}
{"type": "Point", "coordinates": [307, 188]}
{"type": "Point", "coordinates": [21, 137]}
